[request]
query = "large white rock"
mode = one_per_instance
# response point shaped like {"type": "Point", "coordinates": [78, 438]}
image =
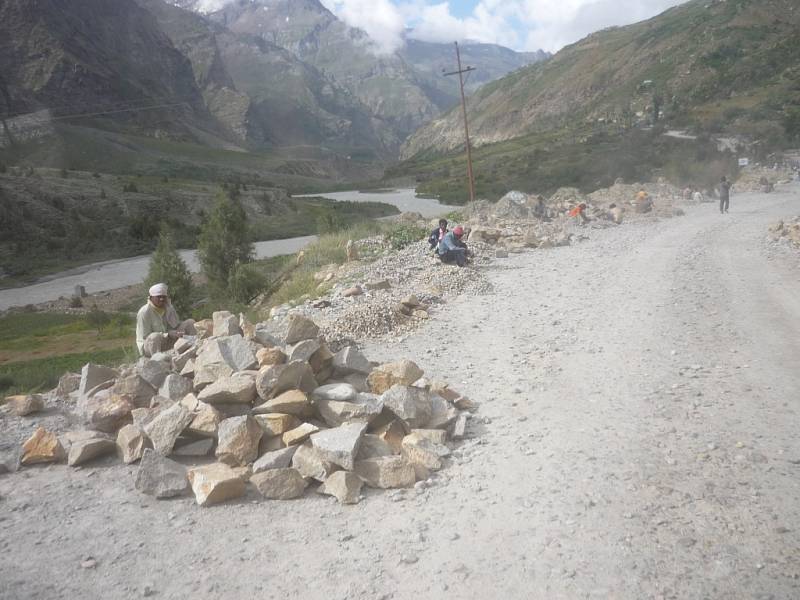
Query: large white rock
{"type": "Point", "coordinates": [344, 486]}
{"type": "Point", "coordinates": [225, 323]}
{"type": "Point", "coordinates": [364, 408]}
{"type": "Point", "coordinates": [160, 477]}
{"type": "Point", "coordinates": [277, 459]}
{"type": "Point", "coordinates": [310, 463]}
{"type": "Point", "coordinates": [237, 389]}
{"type": "Point", "coordinates": [350, 360]}
{"type": "Point", "coordinates": [300, 328]}
{"type": "Point", "coordinates": [93, 375]}
{"type": "Point", "coordinates": [166, 426]}
{"type": "Point", "coordinates": [340, 392]}
{"type": "Point", "coordinates": [174, 387]}
{"type": "Point", "coordinates": [276, 379]}
{"type": "Point", "coordinates": [215, 483]}
{"type": "Point", "coordinates": [410, 404]}
{"type": "Point", "coordinates": [238, 439]}
{"type": "Point", "coordinates": [386, 472]}
{"type": "Point", "coordinates": [339, 445]}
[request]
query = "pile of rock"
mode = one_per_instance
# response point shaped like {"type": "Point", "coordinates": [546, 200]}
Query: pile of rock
{"type": "Point", "coordinates": [790, 232]}
{"type": "Point", "coordinates": [278, 412]}
{"type": "Point", "coordinates": [757, 179]}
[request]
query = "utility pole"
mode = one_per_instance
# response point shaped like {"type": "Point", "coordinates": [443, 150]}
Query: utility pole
{"type": "Point", "coordinates": [460, 74]}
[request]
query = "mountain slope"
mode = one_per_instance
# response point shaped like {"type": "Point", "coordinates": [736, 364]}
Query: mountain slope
{"type": "Point", "coordinates": [726, 65]}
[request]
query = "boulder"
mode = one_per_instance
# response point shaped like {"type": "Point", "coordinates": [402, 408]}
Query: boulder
{"type": "Point", "coordinates": [160, 477]}
{"type": "Point", "coordinates": [238, 440]}
{"type": "Point", "coordinates": [225, 323]}
{"type": "Point", "coordinates": [232, 350]}
{"type": "Point", "coordinates": [277, 459]}
{"type": "Point", "coordinates": [275, 424]}
{"type": "Point", "coordinates": [106, 411]}
{"type": "Point", "coordinates": [93, 375]}
{"type": "Point", "coordinates": [386, 472]}
{"type": "Point", "coordinates": [190, 402]}
{"type": "Point", "coordinates": [42, 447]}
{"type": "Point", "coordinates": [300, 328]}
{"type": "Point", "coordinates": [322, 363]}
{"type": "Point", "coordinates": [174, 387]}
{"type": "Point", "coordinates": [292, 402]}
{"type": "Point", "coordinates": [166, 426]}
{"type": "Point", "coordinates": [267, 357]}
{"type": "Point", "coordinates": [442, 413]}
{"type": "Point", "coordinates": [340, 392]}
{"type": "Point", "coordinates": [247, 328]}
{"type": "Point", "coordinates": [279, 484]}
{"type": "Point", "coordinates": [204, 372]}
{"type": "Point", "coordinates": [152, 371]}
{"type": "Point", "coordinates": [142, 416]}
{"type": "Point", "coordinates": [274, 380]}
{"type": "Point", "coordinates": [205, 421]}
{"type": "Point", "coordinates": [410, 404]}
{"type": "Point", "coordinates": [136, 388]}
{"type": "Point", "coordinates": [194, 448]}
{"type": "Point", "coordinates": [423, 451]}
{"type": "Point", "coordinates": [131, 443]}
{"type": "Point", "coordinates": [25, 404]}
{"type": "Point", "coordinates": [372, 446]}
{"type": "Point", "coordinates": [364, 408]}
{"type": "Point", "coordinates": [344, 486]}
{"type": "Point", "coordinates": [91, 446]}
{"type": "Point", "coordinates": [339, 445]}
{"type": "Point", "coordinates": [215, 483]}
{"type": "Point", "coordinates": [264, 336]}
{"type": "Point", "coordinates": [403, 372]}
{"type": "Point", "coordinates": [67, 383]}
{"type": "Point", "coordinates": [302, 350]}
{"type": "Point", "coordinates": [299, 434]}
{"type": "Point", "coordinates": [236, 389]}
{"type": "Point", "coordinates": [310, 464]}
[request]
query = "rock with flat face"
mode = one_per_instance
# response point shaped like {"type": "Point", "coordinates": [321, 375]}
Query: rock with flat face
{"type": "Point", "coordinates": [237, 389]}
{"type": "Point", "coordinates": [238, 439]}
{"type": "Point", "coordinates": [67, 383]}
{"type": "Point", "coordinates": [42, 447]}
{"type": "Point", "coordinates": [225, 323]}
{"type": "Point", "coordinates": [443, 414]}
{"type": "Point", "coordinates": [136, 388]}
{"type": "Point", "coordinates": [276, 424]}
{"type": "Point", "coordinates": [299, 434]}
{"type": "Point", "coordinates": [174, 387]}
{"type": "Point", "coordinates": [153, 371]}
{"type": "Point", "coordinates": [344, 486]}
{"type": "Point", "coordinates": [270, 356]}
{"type": "Point", "coordinates": [279, 484]}
{"type": "Point", "coordinates": [300, 328]}
{"type": "Point", "coordinates": [106, 411]}
{"type": "Point", "coordinates": [310, 463]}
{"type": "Point", "coordinates": [364, 408]}
{"type": "Point", "coordinates": [195, 448]}
{"type": "Point", "coordinates": [303, 350]}
{"type": "Point", "coordinates": [25, 404]}
{"type": "Point", "coordinates": [296, 375]}
{"type": "Point", "coordinates": [404, 372]}
{"type": "Point", "coordinates": [166, 426]}
{"type": "Point", "coordinates": [277, 459]}
{"type": "Point", "coordinates": [411, 405]}
{"type": "Point", "coordinates": [215, 483]}
{"type": "Point", "coordinates": [339, 445]}
{"type": "Point", "coordinates": [131, 443]}
{"type": "Point", "coordinates": [160, 477]}
{"type": "Point", "coordinates": [292, 402]}
{"type": "Point", "coordinates": [350, 360]}
{"type": "Point", "coordinates": [423, 451]}
{"type": "Point", "coordinates": [393, 433]}
{"type": "Point", "coordinates": [94, 445]}
{"type": "Point", "coordinates": [386, 472]}
{"type": "Point", "coordinates": [340, 392]}
{"type": "Point", "coordinates": [93, 375]}
{"type": "Point", "coordinates": [205, 421]}
{"type": "Point", "coordinates": [373, 446]}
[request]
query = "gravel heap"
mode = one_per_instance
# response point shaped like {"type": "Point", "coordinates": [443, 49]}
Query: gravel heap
{"type": "Point", "coordinates": [278, 414]}
{"type": "Point", "coordinates": [786, 232]}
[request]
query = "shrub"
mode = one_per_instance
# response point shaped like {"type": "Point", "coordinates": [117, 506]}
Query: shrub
{"type": "Point", "coordinates": [246, 282]}
{"type": "Point", "coordinates": [97, 319]}
{"type": "Point", "coordinates": [167, 266]}
{"type": "Point", "coordinates": [403, 235]}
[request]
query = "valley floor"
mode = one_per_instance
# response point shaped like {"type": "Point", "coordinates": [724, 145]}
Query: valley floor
{"type": "Point", "coordinates": [636, 438]}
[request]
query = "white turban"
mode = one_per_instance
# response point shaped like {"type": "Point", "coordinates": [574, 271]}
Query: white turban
{"type": "Point", "coordinates": [159, 289]}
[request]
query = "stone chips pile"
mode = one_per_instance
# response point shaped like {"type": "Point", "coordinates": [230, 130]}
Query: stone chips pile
{"type": "Point", "coordinates": [279, 414]}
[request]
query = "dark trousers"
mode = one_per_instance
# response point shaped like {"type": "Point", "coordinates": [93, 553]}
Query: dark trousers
{"type": "Point", "coordinates": [456, 255]}
{"type": "Point", "coordinates": [724, 203]}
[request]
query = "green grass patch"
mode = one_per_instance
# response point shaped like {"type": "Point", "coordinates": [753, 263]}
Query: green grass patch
{"type": "Point", "coordinates": [42, 374]}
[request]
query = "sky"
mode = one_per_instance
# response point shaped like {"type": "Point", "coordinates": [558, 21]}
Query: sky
{"type": "Point", "coordinates": [524, 25]}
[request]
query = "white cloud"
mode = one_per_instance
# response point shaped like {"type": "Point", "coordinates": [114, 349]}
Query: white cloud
{"type": "Point", "coordinates": [380, 19]}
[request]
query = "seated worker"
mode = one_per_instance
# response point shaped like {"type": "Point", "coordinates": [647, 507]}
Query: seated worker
{"type": "Point", "coordinates": [437, 234]}
{"type": "Point", "coordinates": [451, 249]}
{"type": "Point", "coordinates": [579, 212]}
{"type": "Point", "coordinates": [157, 323]}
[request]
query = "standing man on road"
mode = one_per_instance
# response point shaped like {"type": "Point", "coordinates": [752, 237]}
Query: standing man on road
{"type": "Point", "coordinates": [724, 195]}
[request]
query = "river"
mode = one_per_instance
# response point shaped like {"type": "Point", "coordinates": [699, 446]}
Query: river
{"type": "Point", "coordinates": [112, 274]}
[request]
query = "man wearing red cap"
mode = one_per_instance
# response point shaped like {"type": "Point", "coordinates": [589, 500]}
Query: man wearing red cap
{"type": "Point", "coordinates": [452, 249]}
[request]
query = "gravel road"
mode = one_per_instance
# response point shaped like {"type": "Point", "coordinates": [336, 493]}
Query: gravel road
{"type": "Point", "coordinates": [636, 438]}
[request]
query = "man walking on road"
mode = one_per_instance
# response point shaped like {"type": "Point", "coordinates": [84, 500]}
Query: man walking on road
{"type": "Point", "coordinates": [724, 195]}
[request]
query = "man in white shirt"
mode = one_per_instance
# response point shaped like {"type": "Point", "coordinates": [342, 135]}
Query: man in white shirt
{"type": "Point", "coordinates": [157, 323]}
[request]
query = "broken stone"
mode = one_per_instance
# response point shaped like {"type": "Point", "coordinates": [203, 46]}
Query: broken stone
{"type": "Point", "coordinates": [278, 459]}
{"type": "Point", "coordinates": [188, 369]}
{"type": "Point", "coordinates": [410, 404]}
{"type": "Point", "coordinates": [205, 373]}
{"type": "Point", "coordinates": [303, 350]}
{"type": "Point", "coordinates": [309, 463]}
{"type": "Point", "coordinates": [364, 408]}
{"type": "Point", "coordinates": [411, 301]}
{"type": "Point", "coordinates": [300, 434]}
{"type": "Point", "coordinates": [275, 380]}
{"type": "Point", "coordinates": [84, 450]}
{"type": "Point", "coordinates": [195, 448]}
{"type": "Point", "coordinates": [442, 413]}
{"type": "Point", "coordinates": [174, 387]}
{"type": "Point", "coordinates": [248, 329]}
{"type": "Point", "coordinates": [339, 392]}
{"type": "Point", "coordinates": [373, 446]}
{"type": "Point", "coordinates": [403, 372]}
{"type": "Point", "coordinates": [106, 411]}
{"type": "Point", "coordinates": [300, 328]}
{"type": "Point", "coordinates": [238, 439]}
{"type": "Point", "coordinates": [344, 486]}
{"type": "Point", "coordinates": [42, 447]}
{"type": "Point", "coordinates": [67, 383]}
{"type": "Point", "coordinates": [270, 356]}
{"type": "Point", "coordinates": [142, 416]}
{"type": "Point", "coordinates": [423, 451]}
{"type": "Point", "coordinates": [136, 388]}
{"type": "Point", "coordinates": [353, 291]}
{"type": "Point", "coordinates": [458, 430]}
{"type": "Point", "coordinates": [205, 421]}
{"type": "Point", "coordinates": [393, 433]}
{"type": "Point", "coordinates": [275, 424]}
{"type": "Point", "coordinates": [237, 389]}
{"type": "Point", "coordinates": [152, 371]}
{"type": "Point", "coordinates": [131, 443]}
{"type": "Point", "coordinates": [232, 350]}
{"type": "Point", "coordinates": [349, 360]}
{"type": "Point", "coordinates": [166, 426]}
{"type": "Point", "coordinates": [215, 483]}
{"type": "Point", "coordinates": [190, 402]}
{"type": "Point", "coordinates": [93, 375]}
{"type": "Point", "coordinates": [160, 477]}
{"type": "Point", "coordinates": [225, 323]}
{"type": "Point", "coordinates": [322, 361]}
{"type": "Point", "coordinates": [438, 436]}
{"type": "Point", "coordinates": [25, 404]}
{"type": "Point", "coordinates": [279, 484]}
{"type": "Point", "coordinates": [386, 472]}
{"type": "Point", "coordinates": [292, 402]}
{"type": "Point", "coordinates": [339, 445]}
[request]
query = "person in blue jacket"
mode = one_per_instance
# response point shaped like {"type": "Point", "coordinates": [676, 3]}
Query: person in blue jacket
{"type": "Point", "coordinates": [451, 249]}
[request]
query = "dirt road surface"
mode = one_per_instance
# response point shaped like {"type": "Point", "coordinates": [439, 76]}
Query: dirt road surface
{"type": "Point", "coordinates": [637, 437]}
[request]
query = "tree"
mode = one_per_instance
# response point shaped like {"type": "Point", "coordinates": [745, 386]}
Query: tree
{"type": "Point", "coordinates": [167, 266]}
{"type": "Point", "coordinates": [223, 244]}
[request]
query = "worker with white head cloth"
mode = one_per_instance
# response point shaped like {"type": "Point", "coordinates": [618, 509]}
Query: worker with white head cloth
{"type": "Point", "coordinates": [157, 323]}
